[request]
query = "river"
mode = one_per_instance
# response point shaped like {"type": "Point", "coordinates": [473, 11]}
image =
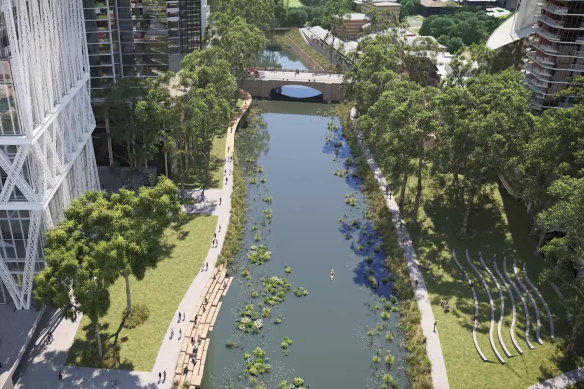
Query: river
{"type": "Point", "coordinates": [317, 224]}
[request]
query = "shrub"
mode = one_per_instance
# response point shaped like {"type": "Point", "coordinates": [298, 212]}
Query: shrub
{"type": "Point", "coordinates": [254, 294]}
{"type": "Point", "coordinates": [140, 313]}
{"type": "Point", "coordinates": [375, 359]}
{"type": "Point", "coordinates": [385, 315]}
{"type": "Point", "coordinates": [389, 336]}
{"type": "Point", "coordinates": [389, 359]}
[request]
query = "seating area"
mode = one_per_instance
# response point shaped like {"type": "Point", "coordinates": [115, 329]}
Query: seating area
{"type": "Point", "coordinates": [521, 285]}
{"type": "Point", "coordinates": [191, 361]}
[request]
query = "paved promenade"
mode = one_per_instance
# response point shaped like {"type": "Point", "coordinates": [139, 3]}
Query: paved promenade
{"type": "Point", "coordinates": [45, 360]}
{"type": "Point", "coordinates": [562, 381]}
{"type": "Point", "coordinates": [433, 348]}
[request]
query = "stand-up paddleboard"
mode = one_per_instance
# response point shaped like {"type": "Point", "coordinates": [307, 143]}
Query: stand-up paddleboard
{"type": "Point", "coordinates": [332, 274]}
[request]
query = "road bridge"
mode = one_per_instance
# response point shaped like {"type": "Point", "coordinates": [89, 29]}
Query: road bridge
{"type": "Point", "coordinates": [264, 81]}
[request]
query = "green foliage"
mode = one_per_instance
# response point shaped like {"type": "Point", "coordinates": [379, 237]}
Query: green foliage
{"type": "Point", "coordinates": [300, 292]}
{"type": "Point", "coordinates": [388, 336]}
{"type": "Point", "coordinates": [257, 363]}
{"type": "Point", "coordinates": [249, 320]}
{"type": "Point", "coordinates": [389, 359]}
{"type": "Point", "coordinates": [258, 254]}
{"type": "Point", "coordinates": [460, 28]}
{"type": "Point", "coordinates": [385, 315]}
{"type": "Point", "coordinates": [275, 290]}
{"type": "Point", "coordinates": [375, 359]}
{"type": "Point", "coordinates": [268, 214]}
{"type": "Point", "coordinates": [286, 342]}
{"type": "Point", "coordinates": [139, 314]}
{"type": "Point", "coordinates": [288, 269]}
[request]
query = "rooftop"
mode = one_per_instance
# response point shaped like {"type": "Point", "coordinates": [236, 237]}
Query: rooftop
{"type": "Point", "coordinates": [437, 4]}
{"type": "Point", "coordinates": [355, 16]}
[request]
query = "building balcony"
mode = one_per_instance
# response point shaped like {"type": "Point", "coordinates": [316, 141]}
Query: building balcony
{"type": "Point", "coordinates": [541, 59]}
{"type": "Point", "coordinates": [547, 35]}
{"type": "Point", "coordinates": [555, 9]}
{"type": "Point", "coordinates": [538, 71]}
{"type": "Point", "coordinates": [544, 47]}
{"type": "Point", "coordinates": [577, 68]}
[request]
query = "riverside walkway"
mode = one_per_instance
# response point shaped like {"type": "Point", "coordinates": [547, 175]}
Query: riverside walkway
{"type": "Point", "coordinates": [44, 361]}
{"type": "Point", "coordinates": [433, 348]}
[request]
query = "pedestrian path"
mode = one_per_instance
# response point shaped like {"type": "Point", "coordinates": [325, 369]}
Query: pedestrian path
{"type": "Point", "coordinates": [433, 348]}
{"type": "Point", "coordinates": [45, 361]}
{"type": "Point", "coordinates": [562, 381]}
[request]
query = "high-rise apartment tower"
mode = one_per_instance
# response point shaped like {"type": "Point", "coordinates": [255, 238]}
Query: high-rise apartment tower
{"type": "Point", "coordinates": [46, 122]}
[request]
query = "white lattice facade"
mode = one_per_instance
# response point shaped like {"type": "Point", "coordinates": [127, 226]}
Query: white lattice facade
{"type": "Point", "coordinates": [46, 153]}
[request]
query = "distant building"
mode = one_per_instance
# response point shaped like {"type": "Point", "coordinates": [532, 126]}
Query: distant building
{"type": "Point", "coordinates": [387, 9]}
{"type": "Point", "coordinates": [352, 26]}
{"type": "Point", "coordinates": [555, 53]}
{"type": "Point", "coordinates": [137, 39]}
{"type": "Point", "coordinates": [437, 7]}
{"type": "Point", "coordinates": [481, 4]}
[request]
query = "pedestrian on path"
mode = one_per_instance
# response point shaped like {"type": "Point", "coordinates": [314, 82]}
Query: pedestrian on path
{"type": "Point", "coordinates": [171, 333]}
{"type": "Point", "coordinates": [435, 326]}
{"type": "Point", "coordinates": [159, 377]}
{"type": "Point", "coordinates": [184, 316]}
{"type": "Point", "coordinates": [164, 376]}
{"type": "Point", "coordinates": [178, 317]}
{"type": "Point", "coordinates": [179, 333]}
{"type": "Point", "coordinates": [219, 200]}
{"type": "Point", "coordinates": [60, 375]}
{"type": "Point", "coordinates": [206, 266]}
{"type": "Point", "coordinates": [226, 179]}
{"type": "Point", "coordinates": [195, 321]}
{"type": "Point", "coordinates": [416, 284]}
{"type": "Point", "coordinates": [219, 229]}
{"type": "Point", "coordinates": [390, 194]}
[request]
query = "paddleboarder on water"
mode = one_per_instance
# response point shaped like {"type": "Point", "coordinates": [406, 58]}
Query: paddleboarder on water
{"type": "Point", "coordinates": [332, 274]}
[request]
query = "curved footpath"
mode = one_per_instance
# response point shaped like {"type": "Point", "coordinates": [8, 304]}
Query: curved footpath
{"type": "Point", "coordinates": [46, 360]}
{"type": "Point", "coordinates": [561, 381]}
{"type": "Point", "coordinates": [433, 348]}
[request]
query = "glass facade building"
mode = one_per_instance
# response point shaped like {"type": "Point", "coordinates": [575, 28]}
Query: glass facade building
{"type": "Point", "coordinates": [46, 123]}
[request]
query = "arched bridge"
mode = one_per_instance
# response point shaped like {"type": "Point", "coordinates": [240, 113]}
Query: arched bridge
{"type": "Point", "coordinates": [263, 81]}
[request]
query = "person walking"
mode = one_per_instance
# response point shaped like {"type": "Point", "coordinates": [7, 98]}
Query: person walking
{"type": "Point", "coordinates": [226, 180]}
{"type": "Point", "coordinates": [196, 319]}
{"type": "Point", "coordinates": [206, 266]}
{"type": "Point", "coordinates": [179, 317]}
{"type": "Point", "coordinates": [171, 332]}
{"type": "Point", "coordinates": [219, 200]}
{"type": "Point", "coordinates": [164, 376]}
{"type": "Point", "coordinates": [159, 377]}
{"type": "Point", "coordinates": [435, 326]}
{"type": "Point", "coordinates": [60, 375]}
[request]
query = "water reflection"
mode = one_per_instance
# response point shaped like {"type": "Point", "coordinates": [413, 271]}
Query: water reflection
{"type": "Point", "coordinates": [296, 92]}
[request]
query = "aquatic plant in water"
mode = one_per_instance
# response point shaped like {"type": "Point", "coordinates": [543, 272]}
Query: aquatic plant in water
{"type": "Point", "coordinates": [268, 199]}
{"type": "Point", "coordinates": [299, 292]}
{"type": "Point", "coordinates": [263, 180]}
{"type": "Point", "coordinates": [249, 320]}
{"type": "Point", "coordinates": [258, 254]}
{"type": "Point", "coordinates": [253, 181]}
{"type": "Point", "coordinates": [268, 214]}
{"type": "Point", "coordinates": [257, 363]}
{"type": "Point", "coordinates": [257, 237]}
{"type": "Point", "coordinates": [288, 269]}
{"type": "Point", "coordinates": [286, 341]}
{"type": "Point", "coordinates": [275, 290]}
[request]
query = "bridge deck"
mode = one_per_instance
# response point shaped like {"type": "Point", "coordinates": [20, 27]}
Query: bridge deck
{"type": "Point", "coordinates": [301, 77]}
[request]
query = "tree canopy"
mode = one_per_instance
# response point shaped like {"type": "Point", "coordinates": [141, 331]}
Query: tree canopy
{"type": "Point", "coordinates": [461, 28]}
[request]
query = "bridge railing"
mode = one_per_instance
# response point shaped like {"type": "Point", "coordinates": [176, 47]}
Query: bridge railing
{"type": "Point", "coordinates": [268, 69]}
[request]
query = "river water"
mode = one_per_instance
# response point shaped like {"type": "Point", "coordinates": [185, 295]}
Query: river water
{"type": "Point", "coordinates": [317, 224]}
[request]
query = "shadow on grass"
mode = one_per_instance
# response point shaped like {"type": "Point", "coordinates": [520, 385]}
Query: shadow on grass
{"type": "Point", "coordinates": [83, 352]}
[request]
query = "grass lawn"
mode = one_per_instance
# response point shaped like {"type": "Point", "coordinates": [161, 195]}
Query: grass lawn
{"type": "Point", "coordinates": [161, 291]}
{"type": "Point", "coordinates": [293, 3]}
{"type": "Point", "coordinates": [500, 226]}
{"type": "Point", "coordinates": [294, 36]}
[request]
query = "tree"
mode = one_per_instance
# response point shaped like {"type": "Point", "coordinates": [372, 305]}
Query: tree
{"type": "Point", "coordinates": [80, 261]}
{"type": "Point", "coordinates": [498, 120]}
{"type": "Point", "coordinates": [402, 119]}
{"type": "Point", "coordinates": [143, 218]}
{"type": "Point", "coordinates": [240, 41]}
{"type": "Point", "coordinates": [567, 251]}
{"type": "Point", "coordinates": [374, 70]}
